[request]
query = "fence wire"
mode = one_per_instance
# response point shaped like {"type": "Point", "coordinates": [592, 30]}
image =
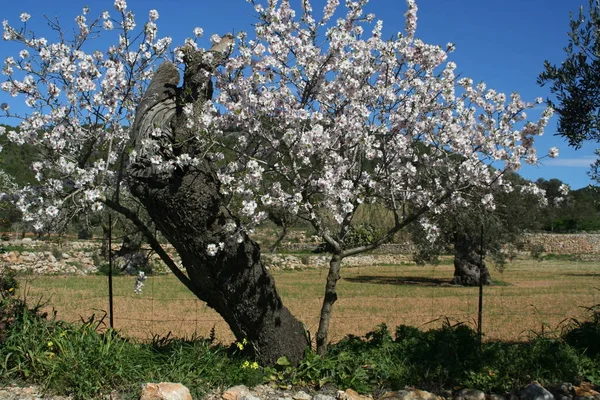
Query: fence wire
{"type": "Point", "coordinates": [535, 299]}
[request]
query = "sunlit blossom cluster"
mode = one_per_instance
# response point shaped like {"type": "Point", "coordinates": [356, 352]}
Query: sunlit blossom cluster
{"type": "Point", "coordinates": [348, 122]}
{"type": "Point", "coordinates": [79, 103]}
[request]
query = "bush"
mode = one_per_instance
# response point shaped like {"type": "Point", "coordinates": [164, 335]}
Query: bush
{"type": "Point", "coordinates": [89, 361]}
{"type": "Point", "coordinates": [585, 335]}
{"type": "Point", "coordinates": [104, 268]}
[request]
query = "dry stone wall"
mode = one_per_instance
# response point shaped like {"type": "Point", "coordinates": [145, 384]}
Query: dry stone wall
{"type": "Point", "coordinates": [581, 243]}
{"type": "Point", "coordinates": [78, 257]}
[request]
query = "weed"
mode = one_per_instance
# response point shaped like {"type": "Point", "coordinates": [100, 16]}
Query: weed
{"type": "Point", "coordinates": [56, 252]}
{"type": "Point", "coordinates": [103, 269]}
{"type": "Point", "coordinates": [585, 335]}
{"type": "Point", "coordinates": [561, 257]}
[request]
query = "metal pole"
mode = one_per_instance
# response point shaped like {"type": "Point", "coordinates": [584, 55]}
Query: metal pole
{"type": "Point", "coordinates": [110, 271]}
{"type": "Point", "coordinates": [480, 313]}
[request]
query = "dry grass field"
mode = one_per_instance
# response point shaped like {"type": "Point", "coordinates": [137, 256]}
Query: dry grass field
{"type": "Point", "coordinates": [530, 297]}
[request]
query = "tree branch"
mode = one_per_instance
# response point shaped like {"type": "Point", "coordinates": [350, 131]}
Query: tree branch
{"type": "Point", "coordinates": [154, 244]}
{"type": "Point", "coordinates": [406, 221]}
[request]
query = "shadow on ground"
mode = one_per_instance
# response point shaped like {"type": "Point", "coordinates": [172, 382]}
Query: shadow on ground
{"type": "Point", "coordinates": [400, 280]}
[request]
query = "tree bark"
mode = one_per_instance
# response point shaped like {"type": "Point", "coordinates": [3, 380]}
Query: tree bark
{"type": "Point", "coordinates": [335, 265]}
{"type": "Point", "coordinates": [186, 205]}
{"type": "Point", "coordinates": [234, 282]}
{"type": "Point", "coordinates": [104, 250]}
{"type": "Point", "coordinates": [468, 263]}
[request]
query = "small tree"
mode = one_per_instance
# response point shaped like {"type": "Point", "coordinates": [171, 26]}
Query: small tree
{"type": "Point", "coordinates": [481, 227]}
{"type": "Point", "coordinates": [311, 115]}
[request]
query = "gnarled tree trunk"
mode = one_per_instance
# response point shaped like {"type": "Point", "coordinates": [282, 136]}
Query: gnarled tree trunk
{"type": "Point", "coordinates": [468, 263]}
{"type": "Point", "coordinates": [187, 207]}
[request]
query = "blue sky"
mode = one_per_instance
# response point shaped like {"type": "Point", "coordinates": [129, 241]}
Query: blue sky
{"type": "Point", "coordinates": [501, 43]}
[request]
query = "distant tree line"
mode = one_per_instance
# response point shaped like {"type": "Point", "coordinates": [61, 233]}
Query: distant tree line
{"type": "Point", "coordinates": [579, 211]}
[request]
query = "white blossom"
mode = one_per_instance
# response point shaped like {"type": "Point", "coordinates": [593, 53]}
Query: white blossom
{"type": "Point", "coordinates": [120, 5]}
{"type": "Point", "coordinates": [139, 282]}
{"type": "Point", "coordinates": [153, 15]}
{"type": "Point", "coordinates": [212, 249]}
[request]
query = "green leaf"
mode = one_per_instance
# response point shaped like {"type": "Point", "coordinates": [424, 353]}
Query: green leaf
{"type": "Point", "coordinates": [283, 361]}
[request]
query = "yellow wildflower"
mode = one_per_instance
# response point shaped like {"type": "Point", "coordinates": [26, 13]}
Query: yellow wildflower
{"type": "Point", "coordinates": [242, 344]}
{"type": "Point", "coordinates": [50, 344]}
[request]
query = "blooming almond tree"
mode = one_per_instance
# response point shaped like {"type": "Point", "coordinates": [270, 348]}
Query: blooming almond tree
{"type": "Point", "coordinates": [312, 116]}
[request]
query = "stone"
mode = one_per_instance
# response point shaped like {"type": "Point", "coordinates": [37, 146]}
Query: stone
{"type": "Point", "coordinates": [566, 389]}
{"type": "Point", "coordinates": [350, 394]}
{"type": "Point", "coordinates": [469, 394]}
{"type": "Point", "coordinates": [301, 395]}
{"type": "Point", "coordinates": [250, 397]}
{"type": "Point", "coordinates": [409, 395]}
{"type": "Point", "coordinates": [165, 391]}
{"type": "Point", "coordinates": [535, 391]}
{"type": "Point", "coordinates": [13, 257]}
{"type": "Point", "coordinates": [236, 393]}
{"type": "Point", "coordinates": [585, 390]}
{"type": "Point", "coordinates": [493, 396]}
{"type": "Point", "coordinates": [320, 396]}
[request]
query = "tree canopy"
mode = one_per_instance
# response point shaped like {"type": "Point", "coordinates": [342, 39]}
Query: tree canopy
{"type": "Point", "coordinates": [310, 114]}
{"type": "Point", "coordinates": [576, 81]}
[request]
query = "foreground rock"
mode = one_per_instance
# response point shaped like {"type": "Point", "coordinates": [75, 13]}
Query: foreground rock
{"type": "Point", "coordinates": [177, 391]}
{"type": "Point", "coordinates": [535, 391]}
{"type": "Point", "coordinates": [26, 393]}
{"type": "Point", "coordinates": [165, 391]}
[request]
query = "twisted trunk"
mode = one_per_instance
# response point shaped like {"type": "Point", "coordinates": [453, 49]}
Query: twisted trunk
{"type": "Point", "coordinates": [186, 205]}
{"type": "Point", "coordinates": [234, 282]}
{"type": "Point", "coordinates": [469, 266]}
